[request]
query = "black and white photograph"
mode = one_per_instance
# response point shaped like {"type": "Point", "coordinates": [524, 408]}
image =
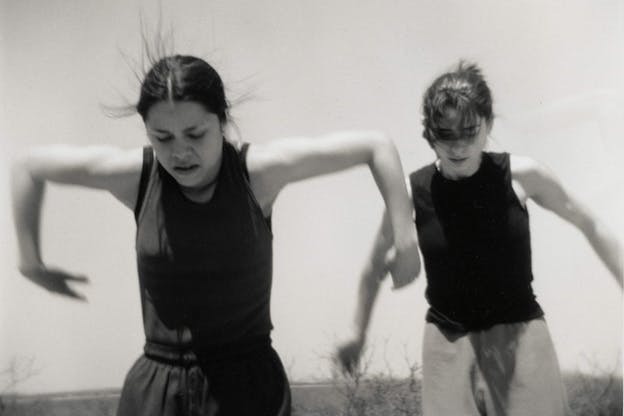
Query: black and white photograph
{"type": "Point", "coordinates": [311, 208]}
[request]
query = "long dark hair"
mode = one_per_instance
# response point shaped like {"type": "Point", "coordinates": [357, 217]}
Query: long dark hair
{"type": "Point", "coordinates": [183, 78]}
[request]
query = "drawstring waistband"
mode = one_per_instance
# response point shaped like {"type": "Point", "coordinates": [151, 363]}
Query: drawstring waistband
{"type": "Point", "coordinates": [189, 355]}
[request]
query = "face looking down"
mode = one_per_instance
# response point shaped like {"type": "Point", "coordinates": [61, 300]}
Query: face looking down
{"type": "Point", "coordinates": [459, 144]}
{"type": "Point", "coordinates": [187, 140]}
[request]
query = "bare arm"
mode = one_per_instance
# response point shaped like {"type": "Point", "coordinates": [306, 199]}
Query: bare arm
{"type": "Point", "coordinates": [375, 270]}
{"type": "Point", "coordinates": [275, 165]}
{"type": "Point", "coordinates": [105, 168]}
{"type": "Point", "coordinates": [545, 189]}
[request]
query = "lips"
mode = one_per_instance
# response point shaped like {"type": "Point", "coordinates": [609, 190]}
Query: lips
{"type": "Point", "coordinates": [458, 160]}
{"type": "Point", "coordinates": [186, 169]}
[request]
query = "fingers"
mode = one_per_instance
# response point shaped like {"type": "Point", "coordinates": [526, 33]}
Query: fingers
{"type": "Point", "coordinates": [346, 364]}
{"type": "Point", "coordinates": [75, 295]}
{"type": "Point", "coordinates": [402, 268]}
{"type": "Point", "coordinates": [56, 281]}
{"type": "Point", "coordinates": [61, 288]}
{"type": "Point", "coordinates": [347, 368]}
{"type": "Point", "coordinates": [78, 278]}
{"type": "Point", "coordinates": [71, 293]}
{"type": "Point", "coordinates": [400, 280]}
{"type": "Point", "coordinates": [65, 276]}
{"type": "Point", "coordinates": [390, 258]}
{"type": "Point", "coordinates": [389, 264]}
{"type": "Point", "coordinates": [348, 358]}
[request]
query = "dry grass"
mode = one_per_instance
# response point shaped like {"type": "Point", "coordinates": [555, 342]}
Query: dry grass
{"type": "Point", "coordinates": [364, 394]}
{"type": "Point", "coordinates": [594, 395]}
{"type": "Point", "coordinates": [379, 395]}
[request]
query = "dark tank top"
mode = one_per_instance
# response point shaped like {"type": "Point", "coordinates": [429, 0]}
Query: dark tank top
{"type": "Point", "coordinates": [475, 240]}
{"type": "Point", "coordinates": [204, 268]}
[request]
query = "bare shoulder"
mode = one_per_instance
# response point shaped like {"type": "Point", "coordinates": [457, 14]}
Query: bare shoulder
{"type": "Point", "coordinates": [279, 162]}
{"type": "Point", "coordinates": [261, 156]}
{"type": "Point", "coordinates": [306, 156]}
{"type": "Point", "coordinates": [262, 159]}
{"type": "Point", "coordinates": [529, 172]}
{"type": "Point", "coordinates": [521, 166]}
{"type": "Point", "coordinates": [281, 153]}
{"type": "Point", "coordinates": [270, 162]}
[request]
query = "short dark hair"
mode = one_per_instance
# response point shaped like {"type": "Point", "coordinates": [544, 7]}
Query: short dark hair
{"type": "Point", "coordinates": [464, 90]}
{"type": "Point", "coordinates": [183, 78]}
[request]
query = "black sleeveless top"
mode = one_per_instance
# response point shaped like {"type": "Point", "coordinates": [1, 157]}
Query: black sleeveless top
{"type": "Point", "coordinates": [475, 240]}
{"type": "Point", "coordinates": [204, 268]}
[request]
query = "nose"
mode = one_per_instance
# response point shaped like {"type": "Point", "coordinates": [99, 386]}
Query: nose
{"type": "Point", "coordinates": [458, 147]}
{"type": "Point", "coordinates": [181, 152]}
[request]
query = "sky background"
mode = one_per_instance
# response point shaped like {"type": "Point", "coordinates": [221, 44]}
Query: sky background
{"type": "Point", "coordinates": [307, 68]}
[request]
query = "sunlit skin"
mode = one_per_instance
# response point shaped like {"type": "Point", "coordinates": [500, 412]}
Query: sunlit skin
{"type": "Point", "coordinates": [460, 158]}
{"type": "Point", "coordinates": [187, 140]}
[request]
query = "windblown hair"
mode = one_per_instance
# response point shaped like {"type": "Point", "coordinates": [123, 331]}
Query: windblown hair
{"type": "Point", "coordinates": [166, 76]}
{"type": "Point", "coordinates": [183, 78]}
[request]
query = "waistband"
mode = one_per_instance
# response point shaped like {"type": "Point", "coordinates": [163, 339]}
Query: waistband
{"type": "Point", "coordinates": [189, 355]}
{"type": "Point", "coordinates": [484, 321]}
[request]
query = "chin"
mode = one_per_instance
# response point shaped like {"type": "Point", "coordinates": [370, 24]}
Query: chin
{"type": "Point", "coordinates": [186, 182]}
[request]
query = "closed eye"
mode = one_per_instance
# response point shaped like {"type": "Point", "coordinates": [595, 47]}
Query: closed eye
{"type": "Point", "coordinates": [445, 134]}
{"type": "Point", "coordinates": [196, 136]}
{"type": "Point", "coordinates": [470, 131]}
{"type": "Point", "coordinates": [163, 139]}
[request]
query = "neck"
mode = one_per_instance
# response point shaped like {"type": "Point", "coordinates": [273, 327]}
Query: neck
{"type": "Point", "coordinates": [454, 173]}
{"type": "Point", "coordinates": [201, 193]}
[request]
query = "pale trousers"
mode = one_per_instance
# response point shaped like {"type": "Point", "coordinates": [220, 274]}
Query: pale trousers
{"type": "Point", "coordinates": [508, 369]}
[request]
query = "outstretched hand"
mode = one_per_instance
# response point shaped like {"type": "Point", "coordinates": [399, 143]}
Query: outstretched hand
{"type": "Point", "coordinates": [348, 356]}
{"type": "Point", "coordinates": [56, 281]}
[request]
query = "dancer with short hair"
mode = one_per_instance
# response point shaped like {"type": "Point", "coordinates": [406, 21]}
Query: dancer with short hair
{"type": "Point", "coordinates": [486, 348]}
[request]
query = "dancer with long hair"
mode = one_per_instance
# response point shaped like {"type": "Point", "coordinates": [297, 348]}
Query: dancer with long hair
{"type": "Point", "coordinates": [203, 239]}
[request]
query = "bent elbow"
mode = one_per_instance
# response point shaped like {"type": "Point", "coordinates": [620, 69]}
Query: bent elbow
{"type": "Point", "coordinates": [379, 140]}
{"type": "Point", "coordinates": [373, 143]}
{"type": "Point", "coordinates": [22, 169]}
